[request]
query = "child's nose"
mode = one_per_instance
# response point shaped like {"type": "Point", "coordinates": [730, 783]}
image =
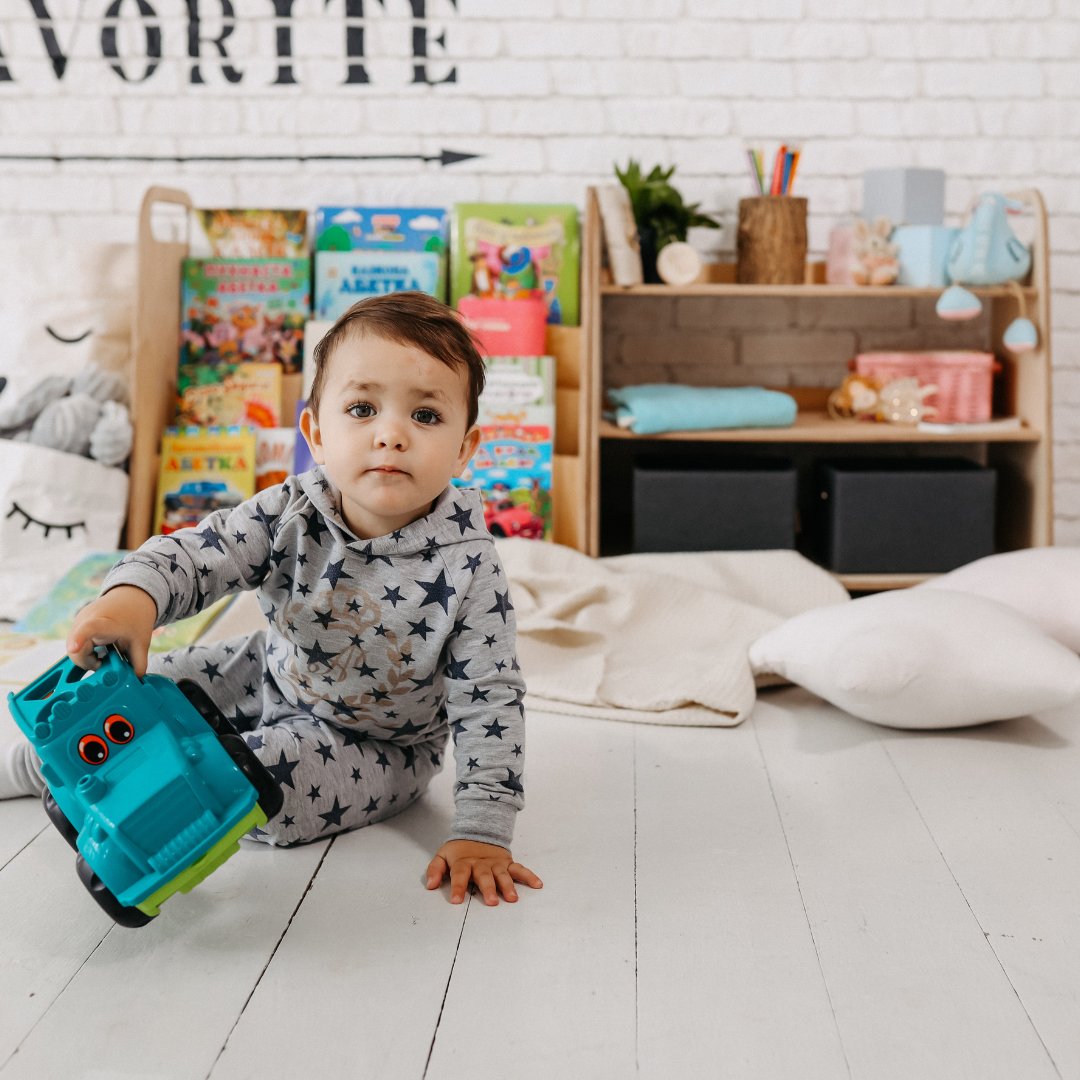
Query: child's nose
{"type": "Point", "coordinates": [390, 435]}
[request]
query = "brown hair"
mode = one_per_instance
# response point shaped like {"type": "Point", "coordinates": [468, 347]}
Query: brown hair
{"type": "Point", "coordinates": [407, 318]}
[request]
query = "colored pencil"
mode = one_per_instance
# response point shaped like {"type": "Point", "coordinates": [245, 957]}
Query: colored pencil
{"type": "Point", "coordinates": [778, 170]}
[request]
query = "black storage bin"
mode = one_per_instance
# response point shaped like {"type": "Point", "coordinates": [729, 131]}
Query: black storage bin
{"type": "Point", "coordinates": [731, 505]}
{"type": "Point", "coordinates": [903, 516]}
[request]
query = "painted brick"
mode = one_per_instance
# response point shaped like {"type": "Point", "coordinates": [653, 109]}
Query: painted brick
{"type": "Point", "coordinates": [706, 78]}
{"type": "Point", "coordinates": [650, 116]}
{"type": "Point", "coordinates": [685, 38]}
{"type": "Point", "coordinates": [797, 347]}
{"type": "Point", "coordinates": [856, 79]}
{"type": "Point", "coordinates": [803, 39]}
{"type": "Point", "coordinates": [997, 79]}
{"type": "Point", "coordinates": [545, 117]}
{"type": "Point", "coordinates": [563, 39]}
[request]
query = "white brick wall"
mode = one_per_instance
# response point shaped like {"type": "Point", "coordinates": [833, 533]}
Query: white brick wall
{"type": "Point", "coordinates": [551, 93]}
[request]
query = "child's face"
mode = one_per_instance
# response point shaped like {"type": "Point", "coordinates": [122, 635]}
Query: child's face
{"type": "Point", "coordinates": [392, 430]}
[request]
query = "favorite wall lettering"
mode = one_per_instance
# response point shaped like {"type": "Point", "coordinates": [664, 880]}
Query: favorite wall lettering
{"type": "Point", "coordinates": [210, 24]}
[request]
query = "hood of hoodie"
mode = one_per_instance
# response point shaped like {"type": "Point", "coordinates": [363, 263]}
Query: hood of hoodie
{"type": "Point", "coordinates": [456, 517]}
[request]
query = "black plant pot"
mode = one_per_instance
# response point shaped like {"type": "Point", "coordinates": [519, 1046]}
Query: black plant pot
{"type": "Point", "coordinates": [647, 242]}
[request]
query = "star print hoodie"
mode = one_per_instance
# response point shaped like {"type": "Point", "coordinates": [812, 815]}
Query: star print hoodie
{"type": "Point", "coordinates": [395, 638]}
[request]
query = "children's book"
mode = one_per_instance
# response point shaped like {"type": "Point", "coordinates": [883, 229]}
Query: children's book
{"type": "Point", "coordinates": [343, 277]}
{"type": "Point", "coordinates": [513, 462]}
{"type": "Point", "coordinates": [236, 310]}
{"type": "Point", "coordinates": [314, 331]}
{"type": "Point", "coordinates": [53, 615]}
{"type": "Point", "coordinates": [226, 394]}
{"type": "Point", "coordinates": [385, 228]}
{"type": "Point", "coordinates": [275, 451]}
{"type": "Point", "coordinates": [202, 470]}
{"type": "Point", "coordinates": [249, 234]}
{"type": "Point", "coordinates": [513, 250]}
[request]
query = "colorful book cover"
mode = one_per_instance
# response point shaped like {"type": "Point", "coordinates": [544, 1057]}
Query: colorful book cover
{"type": "Point", "coordinates": [202, 470]}
{"type": "Point", "coordinates": [53, 615]}
{"type": "Point", "coordinates": [275, 451]}
{"type": "Point", "coordinates": [513, 250]}
{"type": "Point", "coordinates": [249, 234]}
{"type": "Point", "coordinates": [385, 228]}
{"type": "Point", "coordinates": [343, 277]}
{"type": "Point", "coordinates": [226, 394]}
{"type": "Point", "coordinates": [236, 310]}
{"type": "Point", "coordinates": [314, 331]}
{"type": "Point", "coordinates": [512, 465]}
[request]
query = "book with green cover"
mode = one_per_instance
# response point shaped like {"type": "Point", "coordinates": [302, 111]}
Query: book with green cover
{"type": "Point", "coordinates": [52, 616]}
{"type": "Point", "coordinates": [517, 250]}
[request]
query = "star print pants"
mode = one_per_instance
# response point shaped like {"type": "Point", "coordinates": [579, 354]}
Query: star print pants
{"type": "Point", "coordinates": [332, 780]}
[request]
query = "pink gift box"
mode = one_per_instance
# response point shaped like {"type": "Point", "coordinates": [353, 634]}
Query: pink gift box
{"type": "Point", "coordinates": [506, 327]}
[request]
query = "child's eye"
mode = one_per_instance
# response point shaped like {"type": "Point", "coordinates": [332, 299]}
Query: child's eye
{"type": "Point", "coordinates": [361, 410]}
{"type": "Point", "coordinates": [426, 416]}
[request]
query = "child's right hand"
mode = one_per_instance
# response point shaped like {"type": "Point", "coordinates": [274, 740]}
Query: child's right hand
{"type": "Point", "coordinates": [125, 617]}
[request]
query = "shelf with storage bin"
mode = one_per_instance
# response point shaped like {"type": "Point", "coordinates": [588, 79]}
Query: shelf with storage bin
{"type": "Point", "coordinates": [163, 243]}
{"type": "Point", "coordinates": [1020, 455]}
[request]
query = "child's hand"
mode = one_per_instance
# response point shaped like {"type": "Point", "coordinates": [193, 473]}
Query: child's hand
{"type": "Point", "coordinates": [491, 867]}
{"type": "Point", "coordinates": [124, 616]}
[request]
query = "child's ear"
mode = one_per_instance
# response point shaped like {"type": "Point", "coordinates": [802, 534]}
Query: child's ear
{"type": "Point", "coordinates": [468, 448]}
{"type": "Point", "coordinates": [309, 427]}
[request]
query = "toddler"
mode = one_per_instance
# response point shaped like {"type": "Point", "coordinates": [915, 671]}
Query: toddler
{"type": "Point", "coordinates": [389, 622]}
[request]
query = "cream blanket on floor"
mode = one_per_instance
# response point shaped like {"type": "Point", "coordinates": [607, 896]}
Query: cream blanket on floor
{"type": "Point", "coordinates": [660, 639]}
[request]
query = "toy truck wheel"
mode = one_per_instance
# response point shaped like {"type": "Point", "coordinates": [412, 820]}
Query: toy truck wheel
{"type": "Point", "coordinates": [122, 915]}
{"type": "Point", "coordinates": [268, 790]}
{"type": "Point", "coordinates": [59, 819]}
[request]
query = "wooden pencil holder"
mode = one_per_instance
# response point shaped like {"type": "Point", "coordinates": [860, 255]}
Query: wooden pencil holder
{"type": "Point", "coordinates": [771, 241]}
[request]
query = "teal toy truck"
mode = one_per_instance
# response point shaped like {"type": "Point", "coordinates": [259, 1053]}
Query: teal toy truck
{"type": "Point", "coordinates": [146, 780]}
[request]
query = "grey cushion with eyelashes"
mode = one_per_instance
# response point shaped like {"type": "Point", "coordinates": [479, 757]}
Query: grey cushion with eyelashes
{"type": "Point", "coordinates": [20, 413]}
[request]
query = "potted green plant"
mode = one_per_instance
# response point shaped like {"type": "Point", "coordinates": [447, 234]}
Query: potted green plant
{"type": "Point", "coordinates": [659, 211]}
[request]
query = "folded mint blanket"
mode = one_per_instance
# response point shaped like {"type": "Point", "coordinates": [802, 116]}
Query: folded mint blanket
{"type": "Point", "coordinates": [656, 407]}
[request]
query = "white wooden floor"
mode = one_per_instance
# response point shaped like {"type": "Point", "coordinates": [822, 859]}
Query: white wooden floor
{"type": "Point", "coordinates": [803, 896]}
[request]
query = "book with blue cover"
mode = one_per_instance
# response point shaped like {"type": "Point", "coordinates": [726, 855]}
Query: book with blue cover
{"type": "Point", "coordinates": [385, 228]}
{"type": "Point", "coordinates": [512, 466]}
{"type": "Point", "coordinates": [343, 277]}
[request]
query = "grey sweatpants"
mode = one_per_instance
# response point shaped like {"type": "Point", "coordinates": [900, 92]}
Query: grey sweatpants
{"type": "Point", "coordinates": [334, 778]}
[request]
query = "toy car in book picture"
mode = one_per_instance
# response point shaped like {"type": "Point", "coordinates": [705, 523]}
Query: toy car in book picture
{"type": "Point", "coordinates": [145, 778]}
{"type": "Point", "coordinates": [506, 518]}
{"type": "Point", "coordinates": [192, 501]}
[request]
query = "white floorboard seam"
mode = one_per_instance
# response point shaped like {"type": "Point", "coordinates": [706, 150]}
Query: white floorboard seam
{"type": "Point", "coordinates": [449, 980]}
{"type": "Point", "coordinates": [637, 996]}
{"type": "Point", "coordinates": [986, 936]}
{"type": "Point", "coordinates": [273, 953]}
{"type": "Point", "coordinates": [14, 1053]}
{"type": "Point", "coordinates": [24, 847]}
{"type": "Point", "coordinates": [802, 899]}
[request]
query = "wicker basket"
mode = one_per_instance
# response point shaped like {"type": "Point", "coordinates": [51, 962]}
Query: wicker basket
{"type": "Point", "coordinates": [964, 379]}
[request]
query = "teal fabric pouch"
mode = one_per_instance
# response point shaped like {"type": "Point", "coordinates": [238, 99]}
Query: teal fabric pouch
{"type": "Point", "coordinates": [652, 408]}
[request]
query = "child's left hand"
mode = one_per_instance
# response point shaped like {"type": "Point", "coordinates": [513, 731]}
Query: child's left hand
{"type": "Point", "coordinates": [491, 867]}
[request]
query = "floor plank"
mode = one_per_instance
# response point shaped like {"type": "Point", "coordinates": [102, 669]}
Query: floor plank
{"type": "Point", "coordinates": [915, 988]}
{"type": "Point", "coordinates": [356, 986]}
{"type": "Point", "coordinates": [159, 1001]}
{"type": "Point", "coordinates": [20, 821]}
{"type": "Point", "coordinates": [50, 927]}
{"type": "Point", "coordinates": [545, 987]}
{"type": "Point", "coordinates": [720, 919]}
{"type": "Point", "coordinates": [992, 800]}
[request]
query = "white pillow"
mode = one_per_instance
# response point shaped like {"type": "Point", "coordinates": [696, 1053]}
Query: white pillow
{"type": "Point", "coordinates": [1041, 583]}
{"type": "Point", "coordinates": [921, 658]}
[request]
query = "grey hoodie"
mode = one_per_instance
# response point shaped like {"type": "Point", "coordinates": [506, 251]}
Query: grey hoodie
{"type": "Point", "coordinates": [396, 638]}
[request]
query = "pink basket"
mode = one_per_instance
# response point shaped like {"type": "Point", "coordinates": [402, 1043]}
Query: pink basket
{"type": "Point", "coordinates": [964, 379]}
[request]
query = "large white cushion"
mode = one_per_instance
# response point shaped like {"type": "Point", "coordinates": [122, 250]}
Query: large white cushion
{"type": "Point", "coordinates": [922, 658]}
{"type": "Point", "coordinates": [1041, 583]}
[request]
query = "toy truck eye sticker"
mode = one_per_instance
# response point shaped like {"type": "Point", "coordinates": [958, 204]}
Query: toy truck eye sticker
{"type": "Point", "coordinates": [93, 749]}
{"type": "Point", "coordinates": [118, 729]}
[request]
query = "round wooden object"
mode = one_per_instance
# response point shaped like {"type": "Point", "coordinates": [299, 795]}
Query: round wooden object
{"type": "Point", "coordinates": [772, 241]}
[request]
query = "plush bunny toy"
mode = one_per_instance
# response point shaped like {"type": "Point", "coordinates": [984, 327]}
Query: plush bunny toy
{"type": "Point", "coordinates": [873, 259]}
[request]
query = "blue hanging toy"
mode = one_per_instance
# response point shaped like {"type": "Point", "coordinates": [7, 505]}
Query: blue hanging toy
{"type": "Point", "coordinates": [986, 252]}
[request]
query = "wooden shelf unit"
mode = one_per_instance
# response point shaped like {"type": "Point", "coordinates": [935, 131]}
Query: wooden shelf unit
{"type": "Point", "coordinates": [156, 337]}
{"type": "Point", "coordinates": [1022, 456]}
